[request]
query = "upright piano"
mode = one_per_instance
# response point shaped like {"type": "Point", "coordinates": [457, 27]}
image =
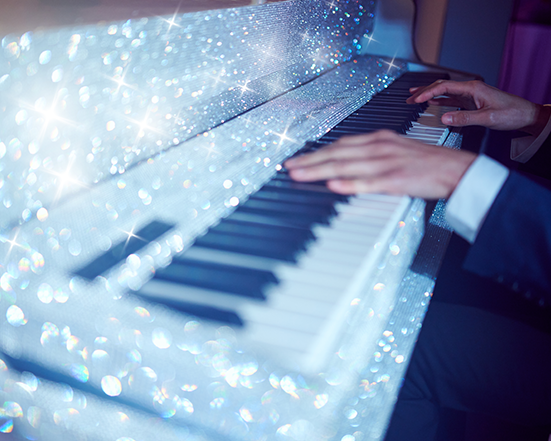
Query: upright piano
{"type": "Point", "coordinates": [160, 274]}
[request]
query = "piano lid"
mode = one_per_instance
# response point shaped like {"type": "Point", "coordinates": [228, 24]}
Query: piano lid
{"type": "Point", "coordinates": [19, 16]}
{"type": "Point", "coordinates": [85, 103]}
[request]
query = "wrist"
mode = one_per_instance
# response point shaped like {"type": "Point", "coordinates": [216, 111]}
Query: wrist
{"type": "Point", "coordinates": [539, 120]}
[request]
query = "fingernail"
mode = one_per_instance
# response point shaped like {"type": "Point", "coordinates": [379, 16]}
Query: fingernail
{"type": "Point", "coordinates": [413, 89]}
{"type": "Point", "coordinates": [447, 119]}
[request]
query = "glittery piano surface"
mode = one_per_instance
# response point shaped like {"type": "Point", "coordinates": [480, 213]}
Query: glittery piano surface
{"type": "Point", "coordinates": [159, 127]}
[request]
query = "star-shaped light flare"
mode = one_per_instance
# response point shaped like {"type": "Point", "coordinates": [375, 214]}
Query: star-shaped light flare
{"type": "Point", "coordinates": [171, 22]}
{"type": "Point", "coordinates": [247, 120]}
{"type": "Point", "coordinates": [370, 39]}
{"type": "Point", "coordinates": [48, 114]}
{"type": "Point", "coordinates": [218, 78]}
{"type": "Point", "coordinates": [13, 243]}
{"type": "Point", "coordinates": [143, 126]}
{"type": "Point", "coordinates": [390, 63]}
{"type": "Point", "coordinates": [130, 234]}
{"type": "Point", "coordinates": [119, 80]}
{"type": "Point", "coordinates": [283, 137]}
{"type": "Point", "coordinates": [65, 179]}
{"type": "Point", "coordinates": [244, 88]}
{"type": "Point", "coordinates": [318, 58]}
{"type": "Point", "coordinates": [210, 149]}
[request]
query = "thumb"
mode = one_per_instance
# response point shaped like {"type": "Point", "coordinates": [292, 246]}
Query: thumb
{"type": "Point", "coordinates": [463, 118]}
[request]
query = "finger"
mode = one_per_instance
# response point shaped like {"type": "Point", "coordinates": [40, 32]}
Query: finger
{"type": "Point", "coordinates": [464, 118]}
{"type": "Point", "coordinates": [330, 153]}
{"type": "Point", "coordinates": [421, 90]}
{"type": "Point", "coordinates": [348, 169]}
{"type": "Point", "coordinates": [348, 147]}
{"type": "Point", "coordinates": [379, 184]}
{"type": "Point", "coordinates": [442, 87]}
{"type": "Point", "coordinates": [449, 102]}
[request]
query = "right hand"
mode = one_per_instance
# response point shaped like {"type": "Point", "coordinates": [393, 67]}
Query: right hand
{"type": "Point", "coordinates": [484, 106]}
{"type": "Point", "coordinates": [383, 162]}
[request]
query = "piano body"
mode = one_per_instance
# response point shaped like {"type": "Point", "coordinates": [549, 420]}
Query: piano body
{"type": "Point", "coordinates": [160, 275]}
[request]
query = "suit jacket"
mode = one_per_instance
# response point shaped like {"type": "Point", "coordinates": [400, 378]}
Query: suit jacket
{"type": "Point", "coordinates": [513, 246]}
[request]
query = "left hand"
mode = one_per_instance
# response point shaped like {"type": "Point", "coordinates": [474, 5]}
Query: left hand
{"type": "Point", "coordinates": [384, 162]}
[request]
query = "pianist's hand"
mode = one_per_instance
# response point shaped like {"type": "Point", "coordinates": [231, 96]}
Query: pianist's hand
{"type": "Point", "coordinates": [484, 106]}
{"type": "Point", "coordinates": [384, 162]}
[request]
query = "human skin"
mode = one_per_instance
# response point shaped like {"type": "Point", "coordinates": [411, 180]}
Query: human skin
{"type": "Point", "coordinates": [483, 105]}
{"type": "Point", "coordinates": [385, 162]}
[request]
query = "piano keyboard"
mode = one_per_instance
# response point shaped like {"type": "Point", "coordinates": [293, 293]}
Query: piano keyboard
{"type": "Point", "coordinates": [285, 266]}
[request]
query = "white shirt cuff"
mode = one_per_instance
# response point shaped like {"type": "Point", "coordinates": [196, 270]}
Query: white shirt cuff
{"type": "Point", "coordinates": [469, 204]}
{"type": "Point", "coordinates": [522, 149]}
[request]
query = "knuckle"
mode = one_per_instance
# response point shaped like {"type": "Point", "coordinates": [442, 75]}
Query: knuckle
{"type": "Point", "coordinates": [477, 85]}
{"type": "Point", "coordinates": [462, 118]}
{"type": "Point", "coordinates": [386, 134]}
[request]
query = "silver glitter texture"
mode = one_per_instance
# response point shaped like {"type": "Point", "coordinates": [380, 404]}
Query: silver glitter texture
{"type": "Point", "coordinates": [106, 128]}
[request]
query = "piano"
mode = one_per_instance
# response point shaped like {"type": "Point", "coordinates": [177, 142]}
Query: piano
{"type": "Point", "coordinates": [160, 274]}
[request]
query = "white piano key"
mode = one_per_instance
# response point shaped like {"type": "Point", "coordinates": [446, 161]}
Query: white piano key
{"type": "Point", "coordinates": [282, 318]}
{"type": "Point", "coordinates": [164, 290]}
{"type": "Point", "coordinates": [279, 337]}
{"type": "Point", "coordinates": [302, 289]}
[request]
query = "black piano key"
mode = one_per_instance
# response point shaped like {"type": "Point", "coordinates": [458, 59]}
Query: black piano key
{"type": "Point", "coordinates": [297, 198]}
{"type": "Point", "coordinates": [374, 104]}
{"type": "Point", "coordinates": [122, 250]}
{"type": "Point", "coordinates": [223, 278]}
{"type": "Point", "coordinates": [258, 217]}
{"type": "Point", "coordinates": [254, 246]}
{"type": "Point", "coordinates": [378, 118]}
{"type": "Point", "coordinates": [290, 209]}
{"type": "Point", "coordinates": [285, 234]}
{"type": "Point", "coordinates": [285, 177]}
{"type": "Point", "coordinates": [405, 114]}
{"type": "Point", "coordinates": [204, 312]}
{"type": "Point", "coordinates": [263, 276]}
{"type": "Point", "coordinates": [298, 220]}
{"type": "Point", "coordinates": [270, 225]}
{"type": "Point", "coordinates": [360, 126]}
{"type": "Point", "coordinates": [313, 195]}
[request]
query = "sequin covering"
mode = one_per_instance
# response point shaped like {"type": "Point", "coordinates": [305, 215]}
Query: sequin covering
{"type": "Point", "coordinates": [106, 128]}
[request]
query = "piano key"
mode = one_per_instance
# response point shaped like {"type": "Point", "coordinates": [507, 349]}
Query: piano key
{"type": "Point", "coordinates": [298, 191]}
{"type": "Point", "coordinates": [263, 276]}
{"type": "Point", "coordinates": [297, 198]}
{"type": "Point", "coordinates": [306, 186]}
{"type": "Point", "coordinates": [212, 313]}
{"type": "Point", "coordinates": [321, 212]}
{"type": "Point", "coordinates": [391, 112]}
{"type": "Point", "coordinates": [359, 126]}
{"type": "Point", "coordinates": [273, 317]}
{"type": "Point", "coordinates": [262, 230]}
{"type": "Point", "coordinates": [256, 246]}
{"type": "Point", "coordinates": [286, 217]}
{"type": "Point", "coordinates": [358, 119]}
{"type": "Point", "coordinates": [258, 216]}
{"type": "Point", "coordinates": [219, 277]}
{"type": "Point", "coordinates": [308, 290]}
{"type": "Point", "coordinates": [166, 291]}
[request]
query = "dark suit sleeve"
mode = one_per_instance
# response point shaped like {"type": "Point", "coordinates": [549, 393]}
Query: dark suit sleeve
{"type": "Point", "coordinates": [514, 243]}
{"type": "Point", "coordinates": [540, 163]}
